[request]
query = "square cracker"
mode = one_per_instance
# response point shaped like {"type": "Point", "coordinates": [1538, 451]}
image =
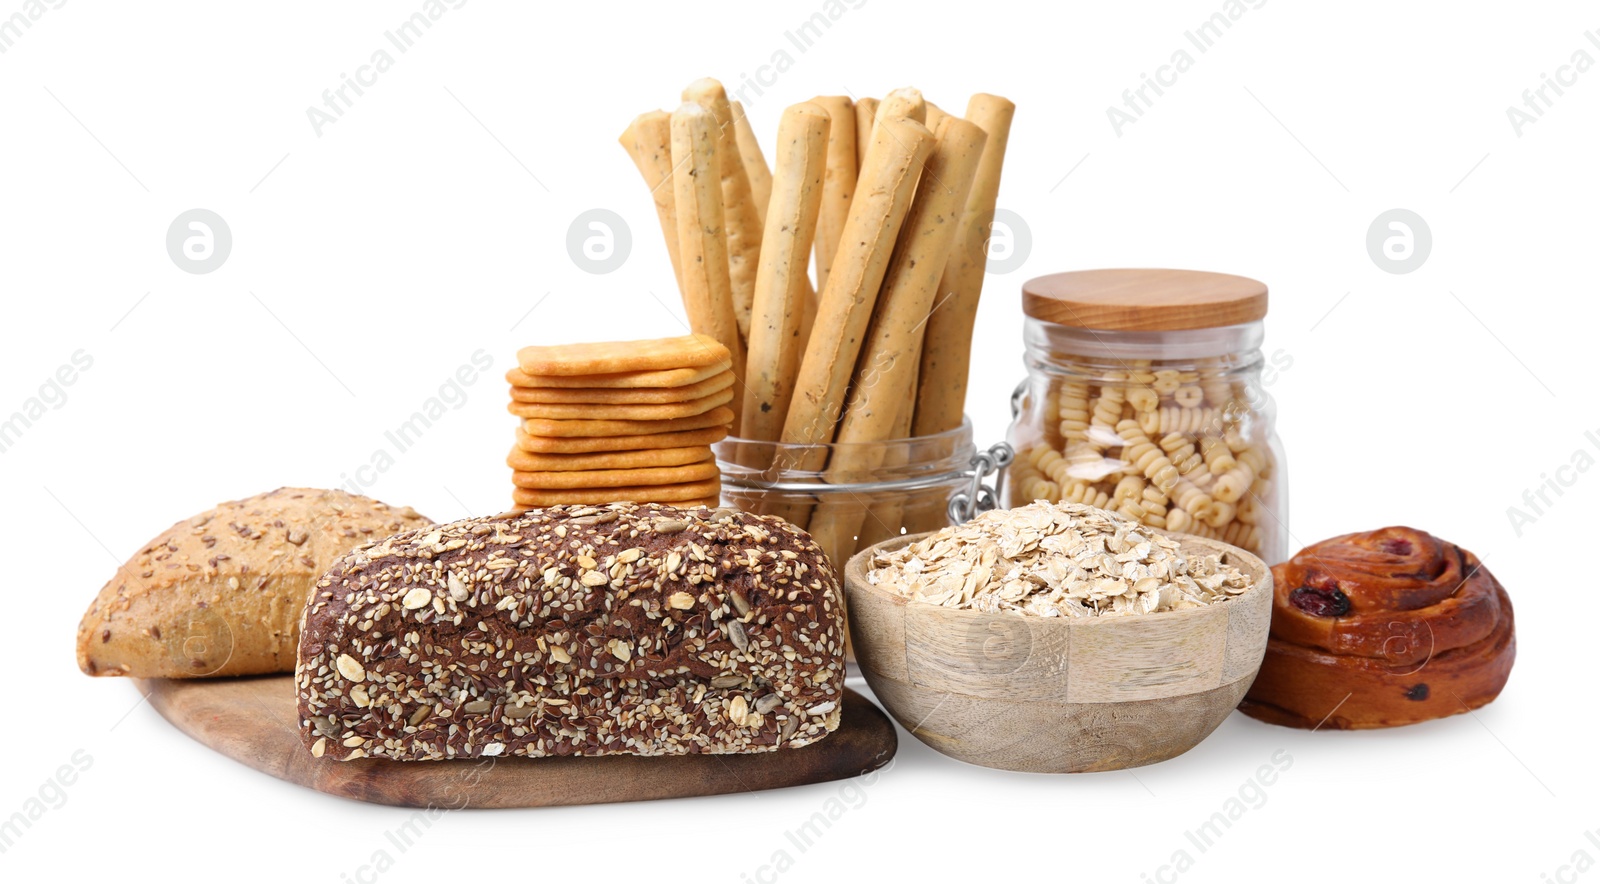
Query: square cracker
{"type": "Point", "coordinates": [627, 380]}
{"type": "Point", "coordinates": [639, 476]}
{"type": "Point", "coordinates": [661, 411]}
{"type": "Point", "coordinates": [559, 445]}
{"type": "Point", "coordinates": [688, 351]}
{"type": "Point", "coordinates": [623, 396]}
{"type": "Point", "coordinates": [717, 417]}
{"type": "Point", "coordinates": [689, 491]}
{"type": "Point", "coordinates": [531, 461]}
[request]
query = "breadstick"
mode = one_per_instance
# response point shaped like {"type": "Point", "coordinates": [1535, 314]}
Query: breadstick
{"type": "Point", "coordinates": [918, 513]}
{"type": "Point", "coordinates": [893, 342]}
{"type": "Point", "coordinates": [890, 515]}
{"type": "Point", "coordinates": [840, 186]}
{"type": "Point", "coordinates": [866, 114]}
{"type": "Point", "coordinates": [947, 352]}
{"type": "Point", "coordinates": [702, 243]}
{"type": "Point", "coordinates": [755, 164]}
{"type": "Point", "coordinates": [830, 525]}
{"type": "Point", "coordinates": [935, 116]}
{"type": "Point", "coordinates": [781, 280]}
{"type": "Point", "coordinates": [894, 163]}
{"type": "Point", "coordinates": [837, 523]}
{"type": "Point", "coordinates": [879, 400]}
{"type": "Point", "coordinates": [739, 217]}
{"type": "Point", "coordinates": [904, 102]}
{"type": "Point", "coordinates": [648, 140]}
{"type": "Point", "coordinates": [755, 167]}
{"type": "Point", "coordinates": [808, 310]}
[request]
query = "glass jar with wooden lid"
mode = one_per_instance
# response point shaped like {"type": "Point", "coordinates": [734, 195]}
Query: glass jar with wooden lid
{"type": "Point", "coordinates": [1144, 396]}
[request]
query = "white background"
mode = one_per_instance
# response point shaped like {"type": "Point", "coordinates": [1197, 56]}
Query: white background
{"type": "Point", "coordinates": [372, 261]}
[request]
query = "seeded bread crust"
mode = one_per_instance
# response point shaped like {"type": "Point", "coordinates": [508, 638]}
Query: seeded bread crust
{"type": "Point", "coordinates": [222, 593]}
{"type": "Point", "coordinates": [575, 630]}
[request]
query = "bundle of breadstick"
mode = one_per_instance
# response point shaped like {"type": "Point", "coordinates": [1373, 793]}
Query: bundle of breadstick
{"type": "Point", "coordinates": [892, 199]}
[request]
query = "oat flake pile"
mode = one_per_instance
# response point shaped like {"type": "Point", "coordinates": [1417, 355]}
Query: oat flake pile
{"type": "Point", "coordinates": [1055, 560]}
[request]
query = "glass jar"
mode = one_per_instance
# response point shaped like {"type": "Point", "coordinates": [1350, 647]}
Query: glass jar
{"type": "Point", "coordinates": [850, 496]}
{"type": "Point", "coordinates": [1144, 396]}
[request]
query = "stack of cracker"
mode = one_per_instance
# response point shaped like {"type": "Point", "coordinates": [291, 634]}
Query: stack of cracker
{"type": "Point", "coordinates": [623, 421]}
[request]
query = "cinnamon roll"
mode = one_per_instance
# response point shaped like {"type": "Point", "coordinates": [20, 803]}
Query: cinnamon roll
{"type": "Point", "coordinates": [1381, 629]}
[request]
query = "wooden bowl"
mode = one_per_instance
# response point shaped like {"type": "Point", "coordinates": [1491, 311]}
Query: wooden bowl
{"type": "Point", "coordinates": [1059, 695]}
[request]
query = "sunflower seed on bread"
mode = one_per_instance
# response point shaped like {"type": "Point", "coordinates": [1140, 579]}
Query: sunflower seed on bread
{"type": "Point", "coordinates": [575, 630]}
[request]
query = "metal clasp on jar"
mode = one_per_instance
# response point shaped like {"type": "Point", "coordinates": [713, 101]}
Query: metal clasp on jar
{"type": "Point", "coordinates": [980, 497]}
{"type": "Point", "coordinates": [1017, 395]}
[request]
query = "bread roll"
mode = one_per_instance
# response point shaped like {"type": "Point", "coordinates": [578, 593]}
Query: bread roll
{"type": "Point", "coordinates": [222, 593]}
{"type": "Point", "coordinates": [575, 630]}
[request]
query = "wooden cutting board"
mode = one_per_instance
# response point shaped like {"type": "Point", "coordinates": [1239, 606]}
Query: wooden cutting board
{"type": "Point", "coordinates": [253, 720]}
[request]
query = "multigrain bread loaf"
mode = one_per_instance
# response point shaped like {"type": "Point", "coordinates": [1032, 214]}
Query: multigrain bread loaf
{"type": "Point", "coordinates": [575, 630]}
{"type": "Point", "coordinates": [222, 593]}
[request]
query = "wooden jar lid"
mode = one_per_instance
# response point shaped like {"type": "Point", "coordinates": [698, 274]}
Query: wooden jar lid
{"type": "Point", "coordinates": [1144, 300]}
